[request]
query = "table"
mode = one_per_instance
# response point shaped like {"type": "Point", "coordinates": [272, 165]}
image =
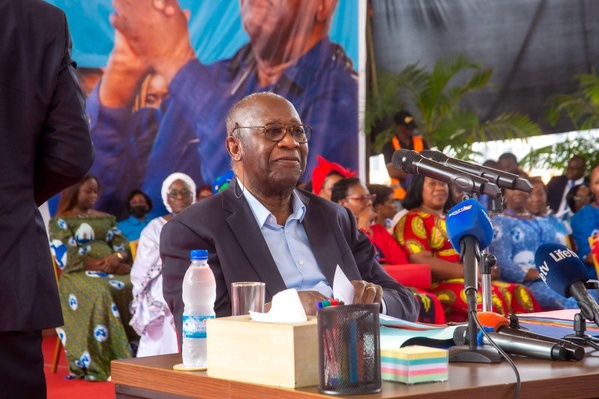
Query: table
{"type": "Point", "coordinates": [153, 377]}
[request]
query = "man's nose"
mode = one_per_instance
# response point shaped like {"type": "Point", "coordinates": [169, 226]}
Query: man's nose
{"type": "Point", "coordinates": [288, 139]}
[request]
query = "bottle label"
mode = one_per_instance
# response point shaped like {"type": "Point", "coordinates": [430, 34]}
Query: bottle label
{"type": "Point", "coordinates": [195, 326]}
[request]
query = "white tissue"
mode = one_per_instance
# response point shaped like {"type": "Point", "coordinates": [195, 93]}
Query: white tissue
{"type": "Point", "coordinates": [286, 307]}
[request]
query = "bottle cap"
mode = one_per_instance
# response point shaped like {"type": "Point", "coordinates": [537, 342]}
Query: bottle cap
{"type": "Point", "coordinates": [199, 254]}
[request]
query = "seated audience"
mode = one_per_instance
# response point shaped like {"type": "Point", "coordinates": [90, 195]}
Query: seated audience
{"type": "Point", "coordinates": [139, 204]}
{"type": "Point", "coordinates": [508, 163]}
{"type": "Point", "coordinates": [354, 195]}
{"type": "Point", "coordinates": [516, 236]}
{"type": "Point", "coordinates": [585, 224]}
{"type": "Point", "coordinates": [577, 197]}
{"type": "Point", "coordinates": [325, 175]}
{"type": "Point", "coordinates": [261, 228]}
{"type": "Point", "coordinates": [558, 186]}
{"type": "Point", "coordinates": [203, 192]}
{"type": "Point", "coordinates": [95, 286]}
{"type": "Point", "coordinates": [152, 319]}
{"type": "Point", "coordinates": [423, 236]}
{"type": "Point", "coordinates": [537, 206]}
{"type": "Point", "coordinates": [384, 204]}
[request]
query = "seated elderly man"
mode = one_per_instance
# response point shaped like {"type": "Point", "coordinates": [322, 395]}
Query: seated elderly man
{"type": "Point", "coordinates": [261, 228]}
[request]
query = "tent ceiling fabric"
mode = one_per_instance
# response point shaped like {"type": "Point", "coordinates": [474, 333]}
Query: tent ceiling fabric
{"type": "Point", "coordinates": [535, 47]}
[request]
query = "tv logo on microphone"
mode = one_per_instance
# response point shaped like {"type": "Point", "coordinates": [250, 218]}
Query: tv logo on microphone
{"type": "Point", "coordinates": [557, 255]}
{"type": "Point", "coordinates": [458, 211]}
{"type": "Point", "coordinates": [466, 208]}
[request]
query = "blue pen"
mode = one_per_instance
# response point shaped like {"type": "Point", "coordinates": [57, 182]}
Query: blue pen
{"type": "Point", "coordinates": [353, 351]}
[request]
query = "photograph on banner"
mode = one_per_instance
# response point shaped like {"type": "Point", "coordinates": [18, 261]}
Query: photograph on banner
{"type": "Point", "coordinates": [161, 77]}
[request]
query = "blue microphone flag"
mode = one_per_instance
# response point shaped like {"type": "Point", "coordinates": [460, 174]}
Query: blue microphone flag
{"type": "Point", "coordinates": [559, 267]}
{"type": "Point", "coordinates": [469, 218]}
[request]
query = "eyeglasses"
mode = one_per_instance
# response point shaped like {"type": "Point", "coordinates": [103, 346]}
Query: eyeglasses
{"type": "Point", "coordinates": [277, 131]}
{"type": "Point", "coordinates": [173, 193]}
{"type": "Point", "coordinates": [362, 198]}
{"type": "Point", "coordinates": [581, 197]}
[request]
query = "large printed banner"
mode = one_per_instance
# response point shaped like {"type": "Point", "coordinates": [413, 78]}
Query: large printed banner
{"type": "Point", "coordinates": [161, 84]}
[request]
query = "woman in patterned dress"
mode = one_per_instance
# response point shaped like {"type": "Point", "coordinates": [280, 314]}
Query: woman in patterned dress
{"type": "Point", "coordinates": [95, 287]}
{"type": "Point", "coordinates": [422, 234]}
{"type": "Point", "coordinates": [517, 234]}
{"type": "Point", "coordinates": [152, 319]}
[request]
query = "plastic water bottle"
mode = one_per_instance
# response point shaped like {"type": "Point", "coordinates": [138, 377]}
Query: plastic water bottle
{"type": "Point", "coordinates": [199, 293]}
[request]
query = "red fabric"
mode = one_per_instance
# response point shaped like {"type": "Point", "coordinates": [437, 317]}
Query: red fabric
{"type": "Point", "coordinates": [418, 232]}
{"type": "Point", "coordinates": [390, 251]}
{"type": "Point", "coordinates": [431, 309]}
{"type": "Point", "coordinates": [411, 275]}
{"type": "Point", "coordinates": [322, 170]}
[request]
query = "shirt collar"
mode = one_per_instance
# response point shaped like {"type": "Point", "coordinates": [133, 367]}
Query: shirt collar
{"type": "Point", "coordinates": [262, 215]}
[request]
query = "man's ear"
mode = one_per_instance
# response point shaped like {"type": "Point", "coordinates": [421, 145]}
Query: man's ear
{"type": "Point", "coordinates": [234, 148]}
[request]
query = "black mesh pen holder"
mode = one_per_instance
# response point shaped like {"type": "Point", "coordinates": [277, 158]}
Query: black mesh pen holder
{"type": "Point", "coordinates": [349, 360]}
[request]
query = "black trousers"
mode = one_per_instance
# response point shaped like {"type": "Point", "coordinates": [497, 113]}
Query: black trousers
{"type": "Point", "coordinates": [22, 366]}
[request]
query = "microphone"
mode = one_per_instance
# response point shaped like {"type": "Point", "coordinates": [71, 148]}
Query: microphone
{"type": "Point", "coordinates": [412, 162]}
{"type": "Point", "coordinates": [469, 218]}
{"type": "Point", "coordinates": [563, 271]}
{"type": "Point", "coordinates": [501, 325]}
{"type": "Point", "coordinates": [499, 177]}
{"type": "Point", "coordinates": [469, 230]}
{"type": "Point", "coordinates": [516, 345]}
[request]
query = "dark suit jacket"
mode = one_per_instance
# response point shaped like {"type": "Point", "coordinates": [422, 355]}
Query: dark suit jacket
{"type": "Point", "coordinates": [555, 191]}
{"type": "Point", "coordinates": [225, 226]}
{"type": "Point", "coordinates": [45, 147]}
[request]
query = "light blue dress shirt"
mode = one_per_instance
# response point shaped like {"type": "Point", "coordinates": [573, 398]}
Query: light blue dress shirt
{"type": "Point", "coordinates": [289, 246]}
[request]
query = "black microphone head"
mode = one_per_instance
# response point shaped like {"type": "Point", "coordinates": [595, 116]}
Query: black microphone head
{"type": "Point", "coordinates": [434, 155]}
{"type": "Point", "coordinates": [523, 185]}
{"type": "Point", "coordinates": [403, 159]}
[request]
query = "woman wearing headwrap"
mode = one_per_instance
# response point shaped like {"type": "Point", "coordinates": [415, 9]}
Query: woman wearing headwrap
{"type": "Point", "coordinates": [325, 175]}
{"type": "Point", "coordinates": [152, 318]}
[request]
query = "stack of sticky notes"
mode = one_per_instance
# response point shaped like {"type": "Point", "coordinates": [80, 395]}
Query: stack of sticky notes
{"type": "Point", "coordinates": [414, 364]}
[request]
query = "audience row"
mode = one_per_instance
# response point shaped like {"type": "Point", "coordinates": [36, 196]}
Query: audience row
{"type": "Point", "coordinates": [119, 299]}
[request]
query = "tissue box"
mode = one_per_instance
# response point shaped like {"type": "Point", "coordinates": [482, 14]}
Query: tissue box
{"type": "Point", "coordinates": [284, 355]}
{"type": "Point", "coordinates": [414, 364]}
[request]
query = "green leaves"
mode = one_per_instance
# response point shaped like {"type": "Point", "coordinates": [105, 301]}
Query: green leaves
{"type": "Point", "coordinates": [581, 107]}
{"type": "Point", "coordinates": [435, 99]}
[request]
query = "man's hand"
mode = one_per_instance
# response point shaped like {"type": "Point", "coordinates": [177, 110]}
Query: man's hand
{"type": "Point", "coordinates": [365, 292]}
{"type": "Point", "coordinates": [156, 31]}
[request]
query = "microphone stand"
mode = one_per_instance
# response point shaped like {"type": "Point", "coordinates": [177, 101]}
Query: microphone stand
{"type": "Point", "coordinates": [489, 260]}
{"type": "Point", "coordinates": [470, 256]}
{"type": "Point", "coordinates": [579, 337]}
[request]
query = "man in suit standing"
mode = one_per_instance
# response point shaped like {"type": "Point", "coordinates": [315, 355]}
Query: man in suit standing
{"type": "Point", "coordinates": [45, 146]}
{"type": "Point", "coordinates": [558, 186]}
{"type": "Point", "coordinates": [261, 228]}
